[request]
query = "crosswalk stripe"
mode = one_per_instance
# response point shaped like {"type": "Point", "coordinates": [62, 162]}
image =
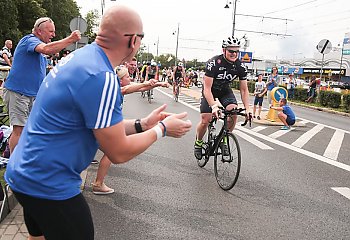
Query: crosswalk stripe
{"type": "Point", "coordinates": [252, 140]}
{"type": "Point", "coordinates": [259, 128]}
{"type": "Point", "coordinates": [278, 133]}
{"type": "Point", "coordinates": [343, 191]}
{"type": "Point", "coordinates": [303, 139]}
{"type": "Point", "coordinates": [334, 145]}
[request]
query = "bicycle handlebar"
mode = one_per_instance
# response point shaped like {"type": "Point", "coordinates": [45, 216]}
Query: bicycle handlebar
{"type": "Point", "coordinates": [237, 111]}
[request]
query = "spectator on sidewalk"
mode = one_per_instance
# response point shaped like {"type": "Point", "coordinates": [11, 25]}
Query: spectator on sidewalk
{"type": "Point", "coordinates": [290, 86]}
{"type": "Point", "coordinates": [285, 114]}
{"type": "Point", "coordinates": [271, 83]}
{"type": "Point", "coordinates": [28, 71]}
{"type": "Point", "coordinates": [259, 92]}
{"type": "Point", "coordinates": [78, 110]}
{"type": "Point", "coordinates": [312, 90]}
{"type": "Point", "coordinates": [5, 60]}
{"type": "Point", "coordinates": [127, 87]}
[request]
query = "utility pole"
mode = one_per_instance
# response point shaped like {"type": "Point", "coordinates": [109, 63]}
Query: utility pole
{"type": "Point", "coordinates": [177, 42]}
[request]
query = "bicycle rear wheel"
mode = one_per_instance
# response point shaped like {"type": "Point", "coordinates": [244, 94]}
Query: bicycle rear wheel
{"type": "Point", "coordinates": [227, 165]}
{"type": "Point", "coordinates": [177, 93]}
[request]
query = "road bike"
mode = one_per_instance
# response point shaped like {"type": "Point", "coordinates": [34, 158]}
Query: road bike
{"type": "Point", "coordinates": [177, 89]}
{"type": "Point", "coordinates": [224, 148]}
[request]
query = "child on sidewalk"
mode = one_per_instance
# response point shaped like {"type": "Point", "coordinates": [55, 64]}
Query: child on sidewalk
{"type": "Point", "coordinates": [286, 114]}
{"type": "Point", "coordinates": [259, 92]}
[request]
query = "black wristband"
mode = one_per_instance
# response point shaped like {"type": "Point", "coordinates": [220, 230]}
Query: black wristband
{"type": "Point", "coordinates": [138, 126]}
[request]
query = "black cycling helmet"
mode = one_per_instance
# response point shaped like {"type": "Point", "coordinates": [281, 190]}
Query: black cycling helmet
{"type": "Point", "coordinates": [231, 42]}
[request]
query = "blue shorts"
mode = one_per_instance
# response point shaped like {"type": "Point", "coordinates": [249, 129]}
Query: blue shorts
{"type": "Point", "coordinates": [258, 100]}
{"type": "Point", "coordinates": [290, 121]}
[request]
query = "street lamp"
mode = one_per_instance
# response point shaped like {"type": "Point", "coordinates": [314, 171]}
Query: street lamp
{"type": "Point", "coordinates": [233, 14]}
{"type": "Point", "coordinates": [103, 5]}
{"type": "Point", "coordinates": [177, 41]}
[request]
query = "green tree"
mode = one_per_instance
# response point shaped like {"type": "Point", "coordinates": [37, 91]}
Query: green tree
{"type": "Point", "coordinates": [9, 22]}
{"type": "Point", "coordinates": [61, 12]}
{"type": "Point", "coordinates": [28, 12]}
{"type": "Point", "coordinates": [92, 18]}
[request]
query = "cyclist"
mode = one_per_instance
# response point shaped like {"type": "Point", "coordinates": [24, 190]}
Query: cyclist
{"type": "Point", "coordinates": [152, 71]}
{"type": "Point", "coordinates": [220, 71]}
{"type": "Point", "coordinates": [178, 75]}
{"type": "Point", "coordinates": [143, 71]}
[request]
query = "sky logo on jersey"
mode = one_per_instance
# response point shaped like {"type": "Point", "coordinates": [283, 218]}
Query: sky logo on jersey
{"type": "Point", "coordinates": [226, 76]}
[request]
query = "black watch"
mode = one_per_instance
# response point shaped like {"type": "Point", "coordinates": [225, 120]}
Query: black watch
{"type": "Point", "coordinates": [138, 126]}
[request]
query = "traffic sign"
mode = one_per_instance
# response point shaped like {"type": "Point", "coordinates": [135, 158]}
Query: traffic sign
{"type": "Point", "coordinates": [278, 93]}
{"type": "Point", "coordinates": [78, 23]}
{"type": "Point", "coordinates": [324, 46]}
{"type": "Point", "coordinates": [246, 57]}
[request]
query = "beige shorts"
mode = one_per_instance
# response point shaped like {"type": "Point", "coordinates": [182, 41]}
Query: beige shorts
{"type": "Point", "coordinates": [18, 107]}
{"type": "Point", "coordinates": [3, 75]}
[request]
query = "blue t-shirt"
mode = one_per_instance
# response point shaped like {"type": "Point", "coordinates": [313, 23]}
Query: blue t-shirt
{"type": "Point", "coordinates": [271, 82]}
{"type": "Point", "coordinates": [28, 69]}
{"type": "Point", "coordinates": [79, 94]}
{"type": "Point", "coordinates": [289, 112]}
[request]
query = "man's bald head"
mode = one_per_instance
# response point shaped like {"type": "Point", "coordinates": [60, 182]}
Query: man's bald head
{"type": "Point", "coordinates": [116, 22]}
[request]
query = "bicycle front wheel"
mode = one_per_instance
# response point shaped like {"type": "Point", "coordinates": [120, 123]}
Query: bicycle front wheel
{"type": "Point", "coordinates": [149, 96]}
{"type": "Point", "coordinates": [227, 161]}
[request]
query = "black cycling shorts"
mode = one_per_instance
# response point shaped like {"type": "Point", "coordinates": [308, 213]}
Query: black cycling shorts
{"type": "Point", "coordinates": [57, 219]}
{"type": "Point", "coordinates": [226, 98]}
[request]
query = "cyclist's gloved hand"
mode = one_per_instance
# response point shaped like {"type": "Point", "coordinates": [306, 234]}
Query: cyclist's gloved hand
{"type": "Point", "coordinates": [215, 110]}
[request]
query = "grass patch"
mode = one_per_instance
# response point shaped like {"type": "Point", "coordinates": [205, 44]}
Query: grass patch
{"type": "Point", "coordinates": [2, 173]}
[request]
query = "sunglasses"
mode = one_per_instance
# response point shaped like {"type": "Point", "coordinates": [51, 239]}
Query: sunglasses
{"type": "Point", "coordinates": [44, 21]}
{"type": "Point", "coordinates": [232, 51]}
{"type": "Point", "coordinates": [140, 35]}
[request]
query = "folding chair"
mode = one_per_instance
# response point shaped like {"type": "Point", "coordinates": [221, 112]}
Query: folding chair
{"type": "Point", "coordinates": [4, 199]}
{"type": "Point", "coordinates": [4, 117]}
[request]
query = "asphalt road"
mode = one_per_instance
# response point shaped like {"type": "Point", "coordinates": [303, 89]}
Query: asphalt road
{"type": "Point", "coordinates": [290, 185]}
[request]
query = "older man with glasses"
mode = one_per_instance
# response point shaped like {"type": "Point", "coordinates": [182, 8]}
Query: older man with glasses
{"type": "Point", "coordinates": [28, 71]}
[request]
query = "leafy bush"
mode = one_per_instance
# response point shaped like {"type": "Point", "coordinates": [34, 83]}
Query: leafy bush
{"type": "Point", "coordinates": [300, 94]}
{"type": "Point", "coordinates": [346, 101]}
{"type": "Point", "coordinates": [330, 99]}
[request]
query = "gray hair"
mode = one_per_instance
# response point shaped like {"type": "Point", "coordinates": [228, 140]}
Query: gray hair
{"type": "Point", "coordinates": [40, 21]}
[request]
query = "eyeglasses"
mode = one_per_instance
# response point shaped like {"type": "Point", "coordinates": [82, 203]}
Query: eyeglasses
{"type": "Point", "coordinates": [232, 51]}
{"type": "Point", "coordinates": [44, 21]}
{"type": "Point", "coordinates": [140, 35]}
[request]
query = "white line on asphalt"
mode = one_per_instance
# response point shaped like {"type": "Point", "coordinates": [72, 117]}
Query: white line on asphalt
{"type": "Point", "coordinates": [180, 101]}
{"type": "Point", "coordinates": [303, 139]}
{"type": "Point", "coordinates": [334, 145]}
{"type": "Point", "coordinates": [343, 191]}
{"type": "Point", "coordinates": [334, 128]}
{"type": "Point", "coordinates": [259, 128]}
{"type": "Point", "coordinates": [252, 140]}
{"type": "Point", "coordinates": [282, 144]}
{"type": "Point", "coordinates": [298, 150]}
{"type": "Point", "coordinates": [278, 133]}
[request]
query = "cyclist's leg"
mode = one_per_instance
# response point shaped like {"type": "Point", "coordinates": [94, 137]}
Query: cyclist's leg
{"type": "Point", "coordinates": [229, 102]}
{"type": "Point", "coordinates": [202, 126]}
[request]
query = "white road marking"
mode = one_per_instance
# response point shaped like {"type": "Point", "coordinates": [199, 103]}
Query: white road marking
{"type": "Point", "coordinates": [334, 128]}
{"type": "Point", "coordinates": [298, 150]}
{"type": "Point", "coordinates": [252, 140]}
{"type": "Point", "coordinates": [303, 139]}
{"type": "Point", "coordinates": [334, 145]}
{"type": "Point", "coordinates": [343, 191]}
{"type": "Point", "coordinates": [282, 144]}
{"type": "Point", "coordinates": [278, 133]}
{"type": "Point", "coordinates": [259, 128]}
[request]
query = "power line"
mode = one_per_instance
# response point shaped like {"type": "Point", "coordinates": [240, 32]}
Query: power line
{"type": "Point", "coordinates": [275, 18]}
{"type": "Point", "coordinates": [267, 33]}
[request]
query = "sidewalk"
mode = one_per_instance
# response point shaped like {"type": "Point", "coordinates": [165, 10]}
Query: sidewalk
{"type": "Point", "coordinates": [13, 227]}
